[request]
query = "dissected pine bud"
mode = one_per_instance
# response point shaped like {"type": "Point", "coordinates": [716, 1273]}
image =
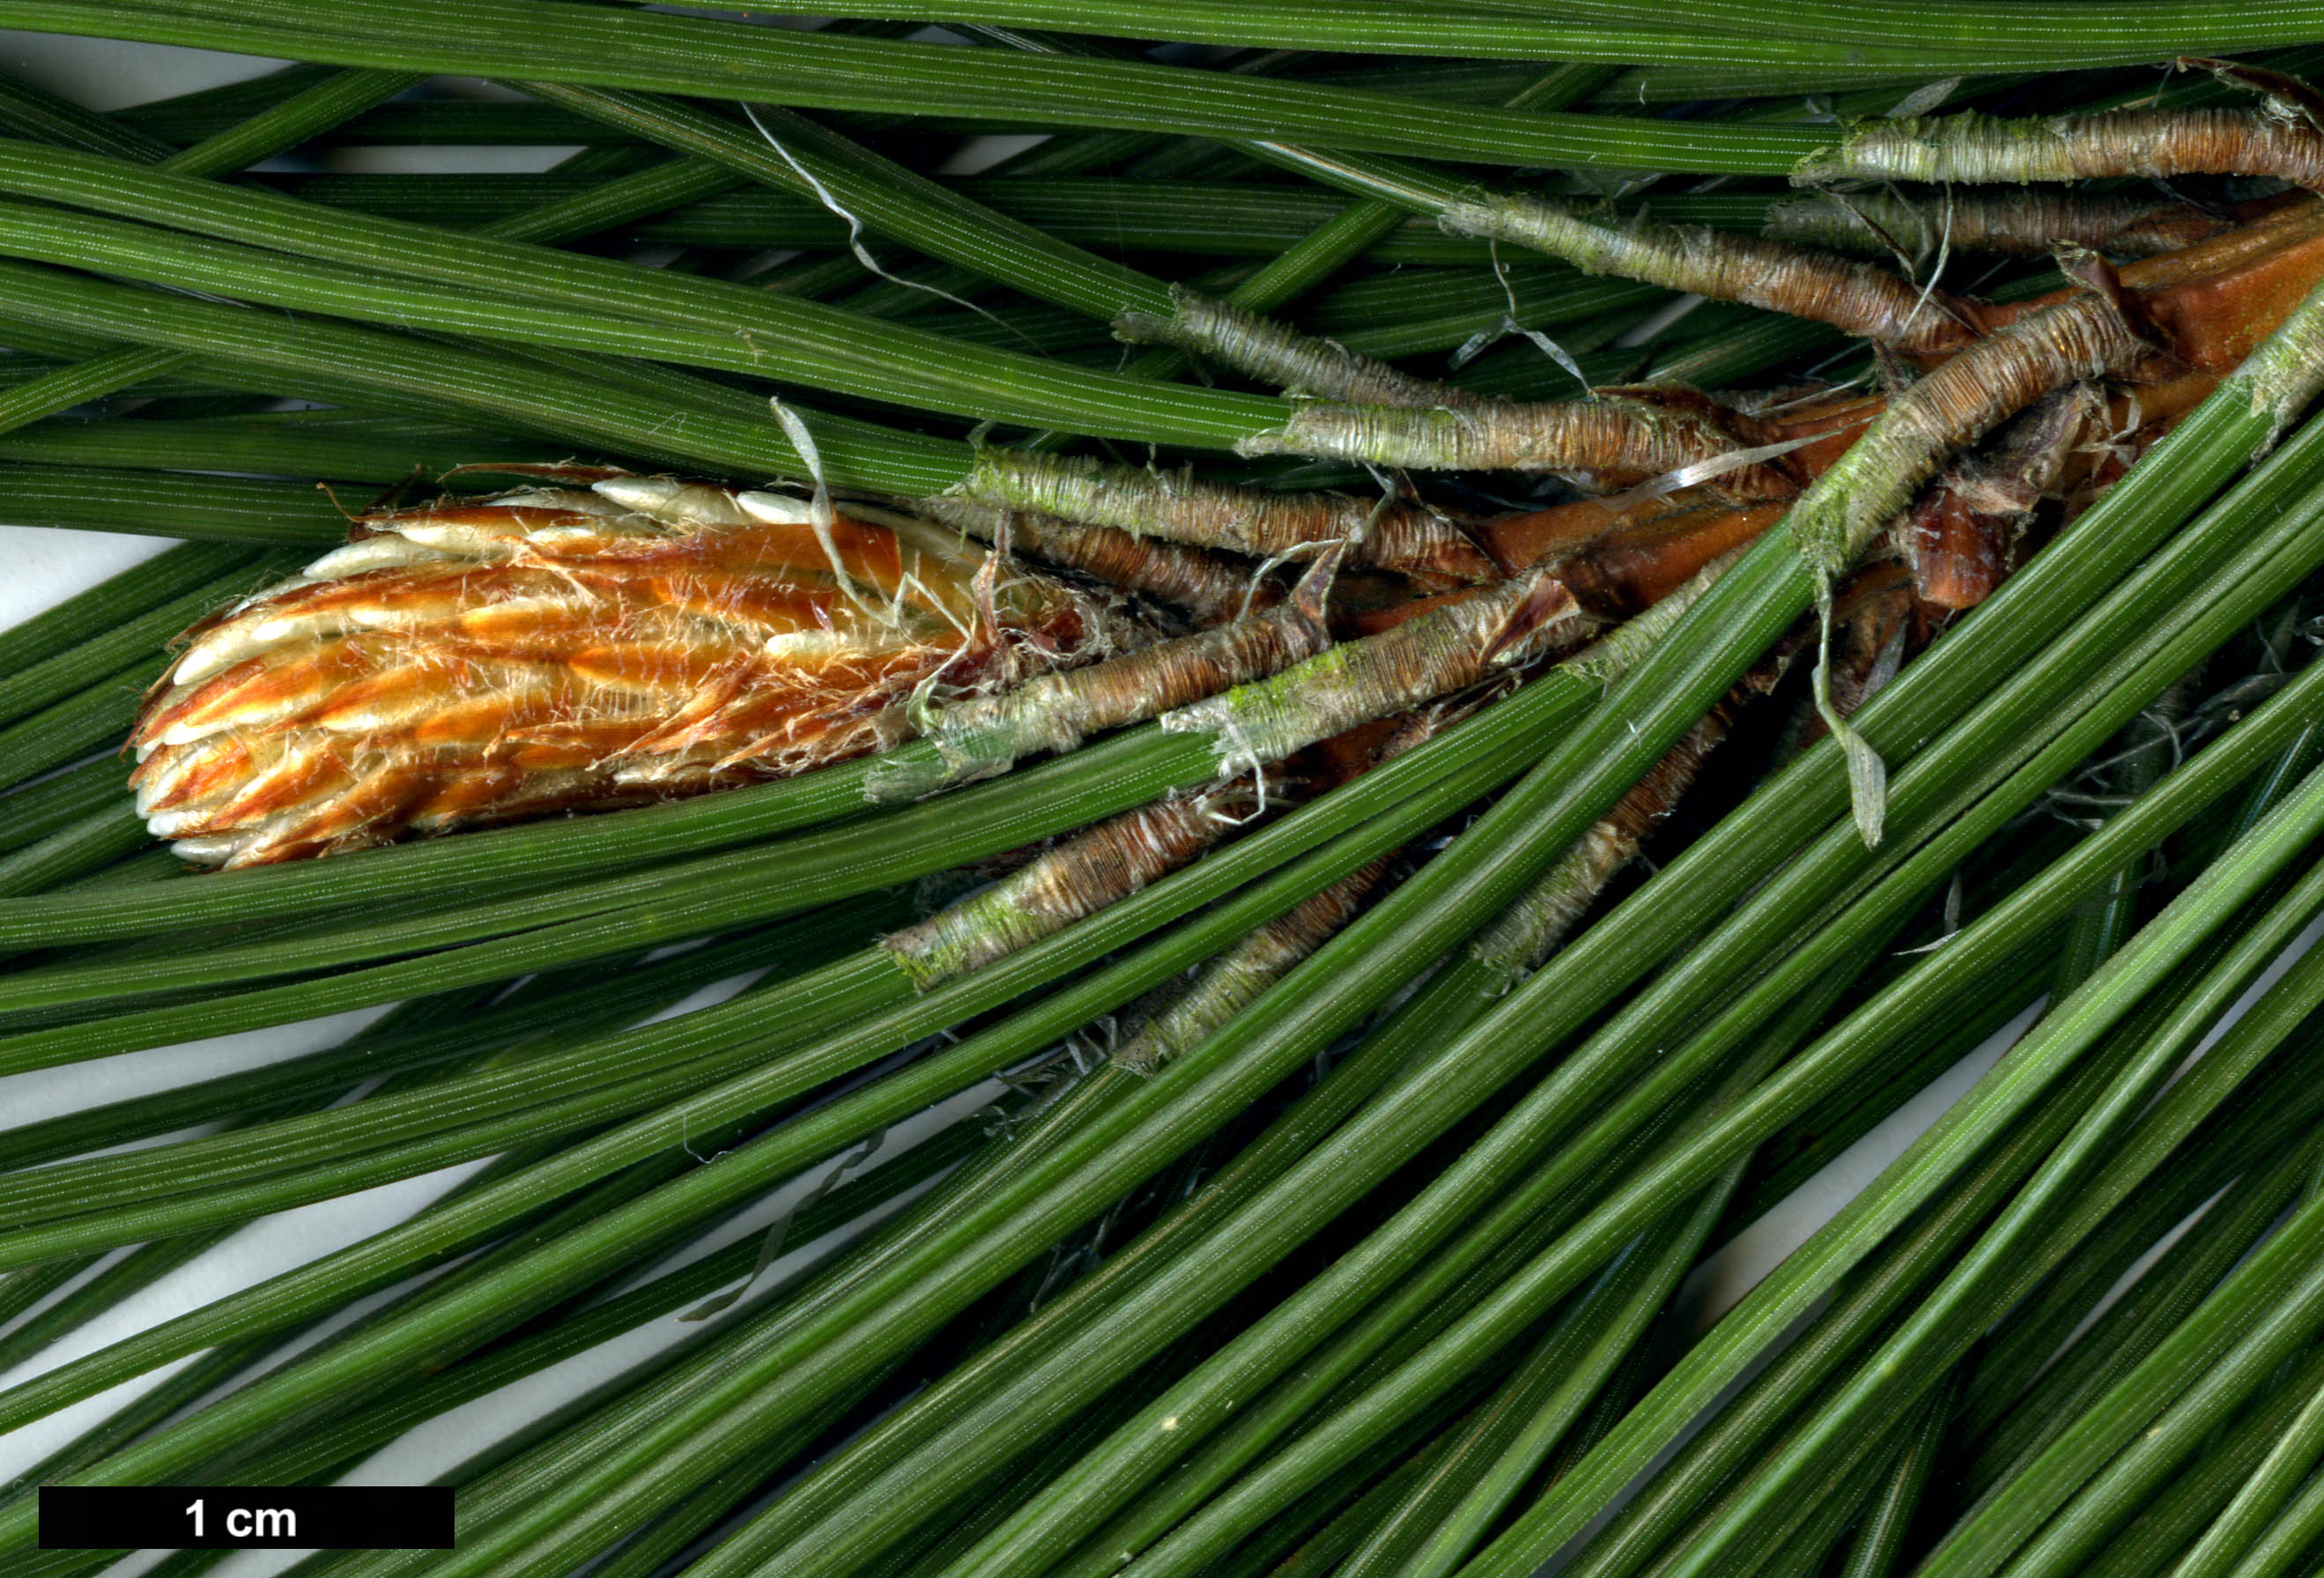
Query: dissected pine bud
{"type": "Point", "coordinates": [1298, 363]}
{"type": "Point", "coordinates": [1180, 507]}
{"type": "Point", "coordinates": [558, 648]}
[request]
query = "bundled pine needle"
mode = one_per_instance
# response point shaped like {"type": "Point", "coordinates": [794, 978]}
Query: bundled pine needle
{"type": "Point", "coordinates": [1448, 791]}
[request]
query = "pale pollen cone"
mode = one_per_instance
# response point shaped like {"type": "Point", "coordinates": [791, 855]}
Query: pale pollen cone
{"type": "Point", "coordinates": [557, 648]}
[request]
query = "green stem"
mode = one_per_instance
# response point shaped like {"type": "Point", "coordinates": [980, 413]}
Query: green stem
{"type": "Point", "coordinates": [40, 116]}
{"type": "Point", "coordinates": [2130, 1328]}
{"type": "Point", "coordinates": [2261, 1317]}
{"type": "Point", "coordinates": [55, 803]}
{"type": "Point", "coordinates": [1453, 1508]}
{"type": "Point", "coordinates": [76, 849]}
{"type": "Point", "coordinates": [280, 126]}
{"type": "Point", "coordinates": [80, 723]}
{"type": "Point", "coordinates": [85, 380]}
{"type": "Point", "coordinates": [1962, 31]}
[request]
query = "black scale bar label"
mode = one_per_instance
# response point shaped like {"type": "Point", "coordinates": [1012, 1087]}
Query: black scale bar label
{"type": "Point", "coordinates": [245, 1518]}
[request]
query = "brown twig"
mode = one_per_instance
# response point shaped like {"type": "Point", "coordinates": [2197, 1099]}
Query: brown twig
{"type": "Point", "coordinates": [1979, 150]}
{"type": "Point", "coordinates": [1229, 982]}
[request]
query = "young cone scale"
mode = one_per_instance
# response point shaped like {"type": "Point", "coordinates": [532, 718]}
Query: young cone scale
{"type": "Point", "coordinates": [556, 647]}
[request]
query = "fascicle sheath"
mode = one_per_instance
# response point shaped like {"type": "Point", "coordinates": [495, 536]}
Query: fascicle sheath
{"type": "Point", "coordinates": [2010, 223]}
{"type": "Point", "coordinates": [1078, 878]}
{"type": "Point", "coordinates": [1625, 646]}
{"type": "Point", "coordinates": [1179, 507]}
{"type": "Point", "coordinates": [1623, 435]}
{"type": "Point", "coordinates": [1208, 587]}
{"type": "Point", "coordinates": [1272, 353]}
{"type": "Point", "coordinates": [1723, 264]}
{"type": "Point", "coordinates": [2083, 337]}
{"type": "Point", "coordinates": [1446, 649]}
{"type": "Point", "coordinates": [1229, 983]}
{"type": "Point", "coordinates": [2288, 369]}
{"type": "Point", "coordinates": [1980, 150]}
{"type": "Point", "coordinates": [1517, 941]}
{"type": "Point", "coordinates": [1055, 711]}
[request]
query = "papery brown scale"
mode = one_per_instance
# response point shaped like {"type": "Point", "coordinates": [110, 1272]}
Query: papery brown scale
{"type": "Point", "coordinates": [164, 780]}
{"type": "Point", "coordinates": [388, 794]}
{"type": "Point", "coordinates": [571, 746]}
{"type": "Point", "coordinates": [2212, 316]}
{"type": "Point", "coordinates": [294, 782]}
{"type": "Point", "coordinates": [1957, 555]}
{"type": "Point", "coordinates": [260, 692]}
{"type": "Point", "coordinates": [518, 714]}
{"type": "Point", "coordinates": [393, 698]}
{"type": "Point", "coordinates": [1617, 564]}
{"type": "Point", "coordinates": [452, 800]}
{"type": "Point", "coordinates": [1959, 535]}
